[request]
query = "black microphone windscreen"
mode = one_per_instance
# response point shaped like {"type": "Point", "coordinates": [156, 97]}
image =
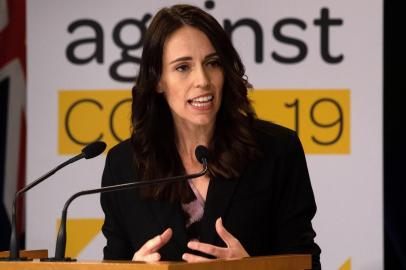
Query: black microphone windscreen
{"type": "Point", "coordinates": [201, 152]}
{"type": "Point", "coordinates": [94, 149]}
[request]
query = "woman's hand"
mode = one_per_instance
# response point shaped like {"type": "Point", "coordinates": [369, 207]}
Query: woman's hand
{"type": "Point", "coordinates": [234, 249]}
{"type": "Point", "coordinates": [149, 251]}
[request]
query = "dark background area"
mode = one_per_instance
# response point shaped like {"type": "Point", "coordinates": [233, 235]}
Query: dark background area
{"type": "Point", "coordinates": [394, 139]}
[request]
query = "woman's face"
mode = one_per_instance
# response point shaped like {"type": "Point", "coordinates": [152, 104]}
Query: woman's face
{"type": "Point", "coordinates": [192, 78]}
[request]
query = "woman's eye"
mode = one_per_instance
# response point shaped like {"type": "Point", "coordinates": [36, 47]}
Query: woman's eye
{"type": "Point", "coordinates": [182, 68]}
{"type": "Point", "coordinates": [214, 63]}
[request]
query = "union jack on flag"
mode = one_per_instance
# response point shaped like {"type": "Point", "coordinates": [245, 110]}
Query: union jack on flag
{"type": "Point", "coordinates": [12, 112]}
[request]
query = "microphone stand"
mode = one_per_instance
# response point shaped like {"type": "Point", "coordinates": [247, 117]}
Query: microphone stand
{"type": "Point", "coordinates": [90, 151]}
{"type": "Point", "coordinates": [14, 239]}
{"type": "Point", "coordinates": [61, 239]}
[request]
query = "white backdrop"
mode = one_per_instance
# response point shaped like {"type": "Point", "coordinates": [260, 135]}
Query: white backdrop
{"type": "Point", "coordinates": [336, 52]}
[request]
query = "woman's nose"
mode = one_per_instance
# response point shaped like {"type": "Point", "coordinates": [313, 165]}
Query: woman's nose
{"type": "Point", "coordinates": [202, 79]}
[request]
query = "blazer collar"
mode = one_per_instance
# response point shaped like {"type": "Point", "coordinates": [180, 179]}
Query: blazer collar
{"type": "Point", "coordinates": [218, 198]}
{"type": "Point", "coordinates": [170, 215]}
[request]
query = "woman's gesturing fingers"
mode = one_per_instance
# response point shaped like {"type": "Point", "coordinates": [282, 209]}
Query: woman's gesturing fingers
{"type": "Point", "coordinates": [148, 252]}
{"type": "Point", "coordinates": [227, 237]}
{"type": "Point", "coordinates": [218, 252]}
{"type": "Point", "coordinates": [193, 258]}
{"type": "Point", "coordinates": [234, 249]}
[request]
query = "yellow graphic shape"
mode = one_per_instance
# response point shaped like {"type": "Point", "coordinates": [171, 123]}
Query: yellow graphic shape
{"type": "Point", "coordinates": [90, 115]}
{"type": "Point", "coordinates": [346, 265]}
{"type": "Point", "coordinates": [80, 232]}
{"type": "Point", "coordinates": [321, 117]}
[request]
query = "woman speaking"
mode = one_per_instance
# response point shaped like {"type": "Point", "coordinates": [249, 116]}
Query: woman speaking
{"type": "Point", "coordinates": [256, 198]}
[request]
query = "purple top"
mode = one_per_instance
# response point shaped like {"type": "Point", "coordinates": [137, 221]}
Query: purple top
{"type": "Point", "coordinates": [195, 208]}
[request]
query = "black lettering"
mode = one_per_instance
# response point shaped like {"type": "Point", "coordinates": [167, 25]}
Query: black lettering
{"type": "Point", "coordinates": [126, 58]}
{"type": "Point", "coordinates": [277, 32]}
{"type": "Point", "coordinates": [112, 115]}
{"type": "Point", "coordinates": [97, 40]}
{"type": "Point", "coordinates": [67, 120]}
{"type": "Point", "coordinates": [325, 22]}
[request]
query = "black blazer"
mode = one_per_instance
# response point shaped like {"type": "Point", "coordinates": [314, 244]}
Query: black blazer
{"type": "Point", "coordinates": [268, 209]}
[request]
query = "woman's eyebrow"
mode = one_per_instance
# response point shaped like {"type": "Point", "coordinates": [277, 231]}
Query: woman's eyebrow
{"type": "Point", "coordinates": [183, 58]}
{"type": "Point", "coordinates": [211, 55]}
{"type": "Point", "coordinates": [187, 58]}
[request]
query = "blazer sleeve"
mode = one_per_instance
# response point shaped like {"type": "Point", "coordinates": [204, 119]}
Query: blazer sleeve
{"type": "Point", "coordinates": [294, 204]}
{"type": "Point", "coordinates": [118, 247]}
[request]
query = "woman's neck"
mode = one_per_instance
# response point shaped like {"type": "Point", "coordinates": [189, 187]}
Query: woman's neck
{"type": "Point", "coordinates": [188, 138]}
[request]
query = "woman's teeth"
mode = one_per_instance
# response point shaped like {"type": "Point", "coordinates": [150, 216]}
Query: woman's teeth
{"type": "Point", "coordinates": [201, 101]}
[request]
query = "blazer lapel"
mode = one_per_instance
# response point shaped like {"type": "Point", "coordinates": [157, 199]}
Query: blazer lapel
{"type": "Point", "coordinates": [170, 215]}
{"type": "Point", "coordinates": [219, 194]}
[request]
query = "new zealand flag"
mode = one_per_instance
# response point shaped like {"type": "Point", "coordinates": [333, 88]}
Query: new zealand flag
{"type": "Point", "coordinates": [12, 112]}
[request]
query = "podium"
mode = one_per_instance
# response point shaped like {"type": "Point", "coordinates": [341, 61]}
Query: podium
{"type": "Point", "coordinates": [32, 254]}
{"type": "Point", "coordinates": [278, 262]}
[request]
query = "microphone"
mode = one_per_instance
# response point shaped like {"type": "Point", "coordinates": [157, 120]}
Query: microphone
{"type": "Point", "coordinates": [90, 151]}
{"type": "Point", "coordinates": [201, 154]}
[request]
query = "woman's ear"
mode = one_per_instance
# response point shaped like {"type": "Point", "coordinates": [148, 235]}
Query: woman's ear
{"type": "Point", "coordinates": [159, 88]}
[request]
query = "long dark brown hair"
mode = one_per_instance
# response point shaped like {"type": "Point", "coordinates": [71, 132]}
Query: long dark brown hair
{"type": "Point", "coordinates": [153, 133]}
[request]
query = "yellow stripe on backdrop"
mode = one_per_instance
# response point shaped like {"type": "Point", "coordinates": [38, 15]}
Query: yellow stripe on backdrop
{"type": "Point", "coordinates": [81, 233]}
{"type": "Point", "coordinates": [346, 265]}
{"type": "Point", "coordinates": [320, 116]}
